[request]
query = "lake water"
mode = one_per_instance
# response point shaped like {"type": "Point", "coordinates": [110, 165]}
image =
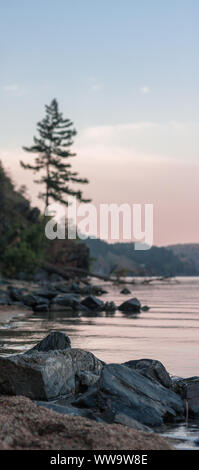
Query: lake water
{"type": "Point", "coordinates": [169, 331]}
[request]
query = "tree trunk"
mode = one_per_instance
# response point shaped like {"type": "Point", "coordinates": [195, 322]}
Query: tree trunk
{"type": "Point", "coordinates": [64, 273]}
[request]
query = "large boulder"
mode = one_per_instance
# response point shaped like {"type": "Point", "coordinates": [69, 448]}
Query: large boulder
{"type": "Point", "coordinates": [45, 375]}
{"type": "Point", "coordinates": [130, 306]}
{"type": "Point", "coordinates": [123, 393]}
{"type": "Point", "coordinates": [152, 369]}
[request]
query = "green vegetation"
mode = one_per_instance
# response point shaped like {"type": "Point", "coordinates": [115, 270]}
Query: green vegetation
{"type": "Point", "coordinates": [23, 242]}
{"type": "Point", "coordinates": [22, 249]}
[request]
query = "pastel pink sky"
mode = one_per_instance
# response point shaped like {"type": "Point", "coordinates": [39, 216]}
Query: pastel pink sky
{"type": "Point", "coordinates": [141, 162]}
{"type": "Point", "coordinates": [127, 75]}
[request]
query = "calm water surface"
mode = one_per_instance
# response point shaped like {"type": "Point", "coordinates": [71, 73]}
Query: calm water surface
{"type": "Point", "coordinates": [169, 331]}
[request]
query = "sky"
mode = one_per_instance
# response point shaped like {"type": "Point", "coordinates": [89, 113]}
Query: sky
{"type": "Point", "coordinates": [126, 72]}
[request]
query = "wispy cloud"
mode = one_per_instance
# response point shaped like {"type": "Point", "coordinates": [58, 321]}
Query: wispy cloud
{"type": "Point", "coordinates": [95, 85]}
{"type": "Point", "coordinates": [141, 139]}
{"type": "Point", "coordinates": [145, 90]}
{"type": "Point", "coordinates": [15, 89]}
{"type": "Point", "coordinates": [11, 87]}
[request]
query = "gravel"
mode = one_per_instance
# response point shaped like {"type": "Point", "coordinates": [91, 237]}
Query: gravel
{"type": "Point", "coordinates": [23, 425]}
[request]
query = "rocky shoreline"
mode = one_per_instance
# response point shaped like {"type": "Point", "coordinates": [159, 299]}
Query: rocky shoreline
{"type": "Point", "coordinates": [125, 404]}
{"type": "Point", "coordinates": [71, 386]}
{"type": "Point", "coordinates": [75, 295]}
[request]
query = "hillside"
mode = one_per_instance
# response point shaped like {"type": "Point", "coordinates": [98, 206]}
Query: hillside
{"type": "Point", "coordinates": [122, 258]}
{"type": "Point", "coordinates": [188, 253]}
{"type": "Point", "coordinates": [24, 247]}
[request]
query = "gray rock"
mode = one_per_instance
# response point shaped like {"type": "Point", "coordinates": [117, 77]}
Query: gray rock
{"type": "Point", "coordinates": [56, 278]}
{"type": "Point", "coordinates": [46, 293]}
{"type": "Point", "coordinates": [59, 308]}
{"type": "Point", "coordinates": [41, 308]}
{"type": "Point", "coordinates": [145, 308]}
{"type": "Point", "coordinates": [110, 306]}
{"type": "Point", "coordinates": [152, 369]}
{"type": "Point", "coordinates": [97, 290]}
{"type": "Point", "coordinates": [85, 379]}
{"type": "Point", "coordinates": [86, 290]}
{"type": "Point", "coordinates": [67, 300]}
{"type": "Point", "coordinates": [32, 300]}
{"type": "Point", "coordinates": [92, 303]}
{"type": "Point", "coordinates": [68, 410]}
{"type": "Point", "coordinates": [121, 418]}
{"type": "Point", "coordinates": [121, 390]}
{"type": "Point", "coordinates": [131, 305]}
{"type": "Point", "coordinates": [45, 375]}
{"type": "Point", "coordinates": [125, 291]}
{"type": "Point", "coordinates": [75, 288]}
{"type": "Point", "coordinates": [5, 300]}
{"type": "Point", "coordinates": [86, 413]}
{"type": "Point", "coordinates": [62, 287]}
{"type": "Point", "coordinates": [188, 389]}
{"type": "Point", "coordinates": [15, 293]}
{"type": "Point", "coordinates": [56, 340]}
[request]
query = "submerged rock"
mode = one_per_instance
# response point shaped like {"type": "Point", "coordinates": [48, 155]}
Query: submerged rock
{"type": "Point", "coordinates": [131, 305]}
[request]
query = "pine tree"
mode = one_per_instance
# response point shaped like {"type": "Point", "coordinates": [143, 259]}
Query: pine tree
{"type": "Point", "coordinates": [53, 147]}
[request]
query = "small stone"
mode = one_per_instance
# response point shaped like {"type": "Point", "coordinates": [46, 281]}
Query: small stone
{"type": "Point", "coordinates": [125, 291]}
{"type": "Point", "coordinates": [131, 305]}
{"type": "Point", "coordinates": [92, 303]}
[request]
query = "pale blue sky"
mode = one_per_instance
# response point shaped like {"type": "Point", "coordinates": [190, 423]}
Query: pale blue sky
{"type": "Point", "coordinates": [112, 64]}
{"type": "Point", "coordinates": [95, 56]}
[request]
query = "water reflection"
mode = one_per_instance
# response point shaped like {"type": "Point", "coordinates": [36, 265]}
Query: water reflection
{"type": "Point", "coordinates": [185, 436]}
{"type": "Point", "coordinates": [168, 332]}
